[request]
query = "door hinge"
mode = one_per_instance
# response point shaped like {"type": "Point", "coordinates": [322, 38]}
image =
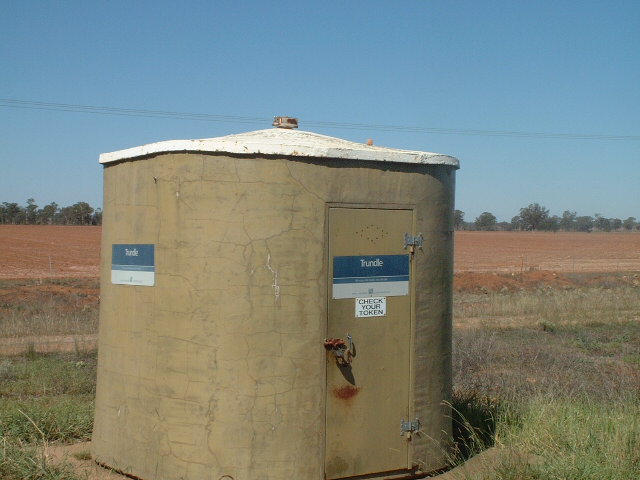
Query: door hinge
{"type": "Point", "coordinates": [409, 426]}
{"type": "Point", "coordinates": [413, 241]}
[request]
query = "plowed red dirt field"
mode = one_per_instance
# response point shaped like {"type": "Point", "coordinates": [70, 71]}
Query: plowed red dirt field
{"type": "Point", "coordinates": [31, 251]}
{"type": "Point", "coordinates": [517, 252]}
{"type": "Point", "coordinates": [49, 251]}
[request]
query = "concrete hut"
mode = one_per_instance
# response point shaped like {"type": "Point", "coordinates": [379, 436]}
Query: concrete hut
{"type": "Point", "coordinates": [275, 305]}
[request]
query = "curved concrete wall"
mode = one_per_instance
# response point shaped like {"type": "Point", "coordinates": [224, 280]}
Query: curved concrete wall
{"type": "Point", "coordinates": [219, 369]}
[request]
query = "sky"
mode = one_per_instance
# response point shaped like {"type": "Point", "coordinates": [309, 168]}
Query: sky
{"type": "Point", "coordinates": [540, 101]}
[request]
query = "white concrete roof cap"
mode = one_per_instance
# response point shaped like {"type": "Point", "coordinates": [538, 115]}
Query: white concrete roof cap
{"type": "Point", "coordinates": [283, 142]}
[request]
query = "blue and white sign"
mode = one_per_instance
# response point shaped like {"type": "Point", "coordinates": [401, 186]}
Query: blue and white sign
{"type": "Point", "coordinates": [133, 264]}
{"type": "Point", "coordinates": [370, 276]}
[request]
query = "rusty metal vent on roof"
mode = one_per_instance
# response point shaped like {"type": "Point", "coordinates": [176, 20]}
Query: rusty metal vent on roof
{"type": "Point", "coordinates": [285, 122]}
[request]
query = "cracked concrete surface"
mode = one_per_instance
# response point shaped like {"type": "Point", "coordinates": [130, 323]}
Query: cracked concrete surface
{"type": "Point", "coordinates": [218, 369]}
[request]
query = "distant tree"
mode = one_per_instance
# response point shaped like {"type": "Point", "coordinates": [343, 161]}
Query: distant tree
{"type": "Point", "coordinates": [534, 216]}
{"type": "Point", "coordinates": [96, 219]}
{"type": "Point", "coordinates": [486, 221]}
{"type": "Point", "coordinates": [551, 224]}
{"type": "Point", "coordinates": [80, 213]}
{"type": "Point", "coordinates": [517, 223]}
{"type": "Point", "coordinates": [77, 214]}
{"type": "Point", "coordinates": [568, 221]}
{"type": "Point", "coordinates": [458, 219]}
{"type": "Point", "coordinates": [584, 224]}
{"type": "Point", "coordinates": [31, 211]}
{"type": "Point", "coordinates": [64, 216]}
{"type": "Point", "coordinates": [13, 213]}
{"type": "Point", "coordinates": [504, 226]}
{"type": "Point", "coordinates": [616, 224]}
{"type": "Point", "coordinates": [601, 223]}
{"type": "Point", "coordinates": [629, 223]}
{"type": "Point", "coordinates": [47, 214]}
{"type": "Point", "coordinates": [84, 212]}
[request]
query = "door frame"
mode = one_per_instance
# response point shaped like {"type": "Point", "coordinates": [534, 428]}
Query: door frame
{"type": "Point", "coordinates": [412, 335]}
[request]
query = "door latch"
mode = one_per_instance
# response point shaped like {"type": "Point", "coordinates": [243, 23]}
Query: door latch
{"type": "Point", "coordinates": [342, 350]}
{"type": "Point", "coordinates": [413, 241]}
{"type": "Point", "coordinates": [409, 427]}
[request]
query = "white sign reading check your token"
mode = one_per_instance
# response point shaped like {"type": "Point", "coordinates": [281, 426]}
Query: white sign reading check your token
{"type": "Point", "coordinates": [371, 307]}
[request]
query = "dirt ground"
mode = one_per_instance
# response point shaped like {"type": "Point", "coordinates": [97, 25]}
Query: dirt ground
{"type": "Point", "coordinates": [518, 252]}
{"type": "Point", "coordinates": [34, 251]}
{"type": "Point", "coordinates": [69, 293]}
{"type": "Point", "coordinates": [49, 251]}
{"type": "Point", "coordinates": [78, 457]}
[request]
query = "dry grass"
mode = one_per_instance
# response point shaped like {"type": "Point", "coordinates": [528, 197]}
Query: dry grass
{"type": "Point", "coordinates": [553, 374]}
{"type": "Point", "coordinates": [31, 308]}
{"type": "Point", "coordinates": [578, 306]}
{"type": "Point", "coordinates": [560, 343]}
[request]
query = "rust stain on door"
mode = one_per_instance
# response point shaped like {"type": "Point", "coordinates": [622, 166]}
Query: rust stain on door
{"type": "Point", "coordinates": [346, 392]}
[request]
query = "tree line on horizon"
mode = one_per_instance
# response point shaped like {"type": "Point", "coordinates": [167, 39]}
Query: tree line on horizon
{"type": "Point", "coordinates": [535, 217]}
{"type": "Point", "coordinates": [80, 213]}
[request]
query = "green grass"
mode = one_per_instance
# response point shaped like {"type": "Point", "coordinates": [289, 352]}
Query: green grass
{"type": "Point", "coordinates": [35, 375]}
{"type": "Point", "coordinates": [43, 399]}
{"type": "Point", "coordinates": [574, 439]}
{"type": "Point", "coordinates": [47, 396]}
{"type": "Point", "coordinates": [474, 420]}
{"type": "Point", "coordinates": [62, 418]}
{"type": "Point", "coordinates": [19, 461]}
{"type": "Point", "coordinates": [82, 455]}
{"type": "Point", "coordinates": [553, 376]}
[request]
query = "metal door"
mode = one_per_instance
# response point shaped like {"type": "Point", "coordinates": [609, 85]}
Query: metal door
{"type": "Point", "coordinates": [368, 356]}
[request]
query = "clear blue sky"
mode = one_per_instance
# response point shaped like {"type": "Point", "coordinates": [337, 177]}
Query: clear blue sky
{"type": "Point", "coordinates": [556, 67]}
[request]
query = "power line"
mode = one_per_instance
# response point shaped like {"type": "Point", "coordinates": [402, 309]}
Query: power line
{"type": "Point", "coordinates": [207, 117]}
